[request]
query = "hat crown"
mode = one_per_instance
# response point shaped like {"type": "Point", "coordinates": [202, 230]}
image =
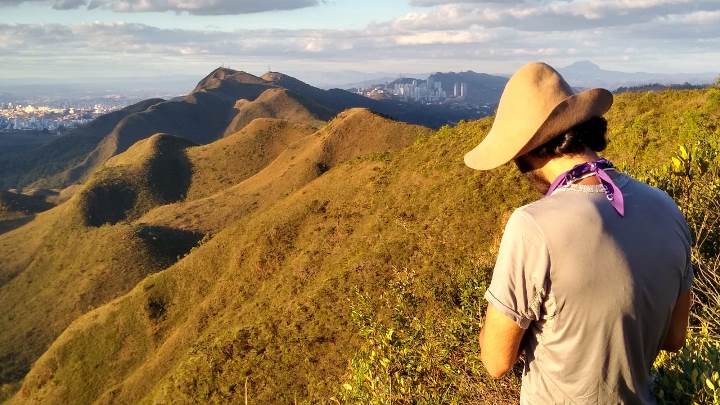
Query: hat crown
{"type": "Point", "coordinates": [536, 105]}
{"type": "Point", "coordinates": [531, 94]}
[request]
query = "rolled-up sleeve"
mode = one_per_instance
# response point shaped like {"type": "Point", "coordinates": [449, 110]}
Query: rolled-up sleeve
{"type": "Point", "coordinates": [520, 277]}
{"type": "Point", "coordinates": [688, 278]}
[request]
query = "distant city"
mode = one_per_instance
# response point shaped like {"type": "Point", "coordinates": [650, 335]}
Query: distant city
{"type": "Point", "coordinates": [416, 90]}
{"type": "Point", "coordinates": [29, 117]}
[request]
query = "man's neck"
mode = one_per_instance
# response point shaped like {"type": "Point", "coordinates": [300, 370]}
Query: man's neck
{"type": "Point", "coordinates": [559, 165]}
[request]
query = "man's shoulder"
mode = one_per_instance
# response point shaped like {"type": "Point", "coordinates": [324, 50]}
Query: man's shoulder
{"type": "Point", "coordinates": [654, 195]}
{"type": "Point", "coordinates": [564, 207]}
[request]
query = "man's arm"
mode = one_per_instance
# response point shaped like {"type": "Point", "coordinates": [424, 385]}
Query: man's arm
{"type": "Point", "coordinates": [675, 338]}
{"type": "Point", "coordinates": [499, 342]}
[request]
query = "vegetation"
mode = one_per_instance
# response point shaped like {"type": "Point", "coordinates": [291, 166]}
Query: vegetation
{"type": "Point", "coordinates": [358, 277]}
{"type": "Point", "coordinates": [693, 180]}
{"type": "Point", "coordinates": [412, 359]}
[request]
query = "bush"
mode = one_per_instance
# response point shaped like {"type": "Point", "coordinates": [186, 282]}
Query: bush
{"type": "Point", "coordinates": [417, 358]}
{"type": "Point", "coordinates": [417, 355]}
{"type": "Point", "coordinates": [693, 180]}
{"type": "Point", "coordinates": [691, 375]}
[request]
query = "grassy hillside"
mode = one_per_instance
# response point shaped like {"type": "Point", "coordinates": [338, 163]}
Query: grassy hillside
{"type": "Point", "coordinates": [16, 204]}
{"type": "Point", "coordinates": [236, 157]}
{"type": "Point", "coordinates": [364, 262]}
{"type": "Point", "coordinates": [93, 236]}
{"type": "Point", "coordinates": [68, 260]}
{"type": "Point", "coordinates": [352, 133]}
{"type": "Point", "coordinates": [278, 103]}
{"type": "Point", "coordinates": [222, 103]}
{"type": "Point", "coordinates": [17, 209]}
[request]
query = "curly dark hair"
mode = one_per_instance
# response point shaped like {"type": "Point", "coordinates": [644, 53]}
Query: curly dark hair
{"type": "Point", "coordinates": [591, 134]}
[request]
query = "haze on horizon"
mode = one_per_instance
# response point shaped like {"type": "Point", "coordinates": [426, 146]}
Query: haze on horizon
{"type": "Point", "coordinates": [86, 40]}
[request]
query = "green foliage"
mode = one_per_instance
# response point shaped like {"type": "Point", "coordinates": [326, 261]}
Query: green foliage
{"type": "Point", "coordinates": [691, 375]}
{"type": "Point", "coordinates": [692, 178]}
{"type": "Point", "coordinates": [415, 355]}
{"type": "Point", "coordinates": [420, 356]}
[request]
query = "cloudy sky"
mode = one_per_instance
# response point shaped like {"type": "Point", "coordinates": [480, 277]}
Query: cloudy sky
{"type": "Point", "coordinates": [85, 39]}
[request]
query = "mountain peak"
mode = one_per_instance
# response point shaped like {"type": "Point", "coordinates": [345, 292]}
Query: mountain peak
{"type": "Point", "coordinates": [584, 65]}
{"type": "Point", "coordinates": [221, 74]}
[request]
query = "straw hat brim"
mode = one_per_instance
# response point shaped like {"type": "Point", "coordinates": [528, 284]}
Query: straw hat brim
{"type": "Point", "coordinates": [502, 145]}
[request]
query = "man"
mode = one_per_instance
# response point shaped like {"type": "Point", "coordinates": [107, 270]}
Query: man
{"type": "Point", "coordinates": [592, 280]}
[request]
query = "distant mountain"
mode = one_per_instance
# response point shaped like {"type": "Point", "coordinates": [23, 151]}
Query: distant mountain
{"type": "Point", "coordinates": [588, 74]}
{"type": "Point", "coordinates": [220, 104]}
{"type": "Point", "coordinates": [346, 79]}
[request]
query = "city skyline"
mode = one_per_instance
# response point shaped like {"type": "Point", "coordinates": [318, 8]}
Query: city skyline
{"type": "Point", "coordinates": [66, 40]}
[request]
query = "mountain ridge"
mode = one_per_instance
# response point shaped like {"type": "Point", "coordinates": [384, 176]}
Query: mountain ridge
{"type": "Point", "coordinates": [202, 116]}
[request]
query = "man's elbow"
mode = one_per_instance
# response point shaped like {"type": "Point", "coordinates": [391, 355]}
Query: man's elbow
{"type": "Point", "coordinates": [674, 343]}
{"type": "Point", "coordinates": [494, 367]}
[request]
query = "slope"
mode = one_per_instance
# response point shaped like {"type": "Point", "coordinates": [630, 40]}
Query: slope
{"type": "Point", "coordinates": [14, 204]}
{"type": "Point", "coordinates": [236, 157]}
{"type": "Point", "coordinates": [201, 117]}
{"type": "Point", "coordinates": [17, 209]}
{"type": "Point", "coordinates": [92, 238]}
{"type": "Point", "coordinates": [278, 103]}
{"type": "Point", "coordinates": [267, 298]}
{"type": "Point", "coordinates": [214, 108]}
{"type": "Point", "coordinates": [352, 133]}
{"type": "Point", "coordinates": [84, 253]}
{"type": "Point", "coordinates": [271, 299]}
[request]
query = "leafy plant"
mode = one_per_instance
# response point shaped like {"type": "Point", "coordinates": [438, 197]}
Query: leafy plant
{"type": "Point", "coordinates": [417, 358]}
{"type": "Point", "coordinates": [693, 180]}
{"type": "Point", "coordinates": [691, 375]}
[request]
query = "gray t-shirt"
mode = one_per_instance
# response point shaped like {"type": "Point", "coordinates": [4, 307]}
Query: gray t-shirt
{"type": "Point", "coordinates": [595, 290]}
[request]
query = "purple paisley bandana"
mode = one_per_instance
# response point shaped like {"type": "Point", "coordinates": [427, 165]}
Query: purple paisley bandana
{"type": "Point", "coordinates": [598, 167]}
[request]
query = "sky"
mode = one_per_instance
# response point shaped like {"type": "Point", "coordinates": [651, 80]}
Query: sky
{"type": "Point", "coordinates": [76, 40]}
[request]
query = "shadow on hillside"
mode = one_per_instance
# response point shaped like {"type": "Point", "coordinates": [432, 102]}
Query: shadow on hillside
{"type": "Point", "coordinates": [119, 195]}
{"type": "Point", "coordinates": [169, 176]}
{"type": "Point", "coordinates": [8, 225]}
{"type": "Point", "coordinates": [168, 244]}
{"type": "Point", "coordinates": [109, 203]}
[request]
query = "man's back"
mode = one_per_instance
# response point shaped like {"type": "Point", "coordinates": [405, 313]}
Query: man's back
{"type": "Point", "coordinates": [596, 290]}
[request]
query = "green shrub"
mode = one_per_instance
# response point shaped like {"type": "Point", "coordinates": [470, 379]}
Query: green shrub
{"type": "Point", "coordinates": [692, 178]}
{"type": "Point", "coordinates": [690, 376]}
{"type": "Point", "coordinates": [418, 356]}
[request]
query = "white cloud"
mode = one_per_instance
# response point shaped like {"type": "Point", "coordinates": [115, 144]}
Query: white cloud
{"type": "Point", "coordinates": [479, 35]}
{"type": "Point", "coordinates": [200, 7]}
{"type": "Point", "coordinates": [549, 15]}
{"type": "Point", "coordinates": [442, 37]}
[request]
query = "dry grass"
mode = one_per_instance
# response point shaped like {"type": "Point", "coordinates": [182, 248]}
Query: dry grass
{"type": "Point", "coordinates": [353, 133]}
{"type": "Point", "coordinates": [278, 103]}
{"type": "Point", "coordinates": [230, 160]}
{"type": "Point", "coordinates": [65, 262]}
{"type": "Point", "coordinates": [267, 299]}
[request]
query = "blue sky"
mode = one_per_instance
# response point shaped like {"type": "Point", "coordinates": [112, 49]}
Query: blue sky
{"type": "Point", "coordinates": [67, 40]}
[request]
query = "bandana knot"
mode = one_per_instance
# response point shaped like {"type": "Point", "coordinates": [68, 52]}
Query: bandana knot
{"type": "Point", "coordinates": [598, 168]}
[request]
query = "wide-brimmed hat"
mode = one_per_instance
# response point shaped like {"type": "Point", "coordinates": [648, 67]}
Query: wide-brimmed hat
{"type": "Point", "coordinates": [536, 106]}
